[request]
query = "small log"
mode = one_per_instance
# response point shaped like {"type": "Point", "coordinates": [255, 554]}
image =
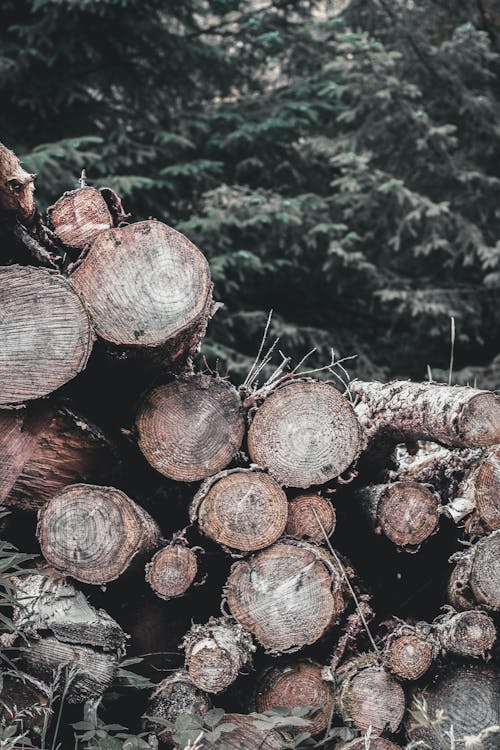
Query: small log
{"type": "Point", "coordinates": [374, 743]}
{"type": "Point", "coordinates": [16, 186]}
{"type": "Point", "coordinates": [78, 217]}
{"type": "Point", "coordinates": [406, 512]}
{"type": "Point", "coordinates": [172, 570]}
{"type": "Point", "coordinates": [25, 704]}
{"type": "Point", "coordinates": [305, 433]}
{"type": "Point", "coordinates": [287, 595]}
{"type": "Point", "coordinates": [475, 580]}
{"type": "Point", "coordinates": [94, 533]}
{"type": "Point", "coordinates": [295, 684]}
{"type": "Point", "coordinates": [216, 652]}
{"type": "Point", "coordinates": [409, 650]}
{"type": "Point", "coordinates": [147, 288]}
{"type": "Point", "coordinates": [44, 448]}
{"type": "Point", "coordinates": [45, 333]}
{"type": "Point", "coordinates": [468, 634]}
{"type": "Point", "coordinates": [367, 695]}
{"type": "Point", "coordinates": [191, 428]}
{"type": "Point", "coordinates": [247, 734]}
{"type": "Point", "coordinates": [243, 510]}
{"type": "Point", "coordinates": [302, 522]}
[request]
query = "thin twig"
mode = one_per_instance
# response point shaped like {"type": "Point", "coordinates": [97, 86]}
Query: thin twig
{"type": "Point", "coordinates": [261, 347]}
{"type": "Point", "coordinates": [452, 351]}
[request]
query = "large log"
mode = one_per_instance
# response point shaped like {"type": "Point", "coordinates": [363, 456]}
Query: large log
{"type": "Point", "coordinates": [148, 288]}
{"type": "Point", "coordinates": [46, 335]}
{"type": "Point", "coordinates": [475, 580]}
{"type": "Point", "coordinates": [303, 514]}
{"type": "Point", "coordinates": [243, 510]}
{"type": "Point", "coordinates": [25, 703]}
{"type": "Point", "coordinates": [94, 533]}
{"type": "Point", "coordinates": [287, 595]}
{"type": "Point", "coordinates": [409, 650]}
{"type": "Point", "coordinates": [468, 634]}
{"type": "Point", "coordinates": [172, 570]}
{"type": "Point", "coordinates": [305, 433]}
{"type": "Point", "coordinates": [191, 428]}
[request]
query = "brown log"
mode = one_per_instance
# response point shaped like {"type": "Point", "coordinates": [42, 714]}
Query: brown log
{"type": "Point", "coordinates": [247, 735]}
{"type": "Point", "coordinates": [302, 522]}
{"type": "Point", "coordinates": [172, 570]}
{"type": "Point", "coordinates": [295, 684]}
{"type": "Point", "coordinates": [375, 743]}
{"type": "Point", "coordinates": [16, 186]}
{"type": "Point", "coordinates": [78, 217]}
{"type": "Point", "coordinates": [216, 652]}
{"type": "Point", "coordinates": [25, 704]}
{"type": "Point", "coordinates": [367, 695]}
{"type": "Point", "coordinates": [191, 428]}
{"type": "Point", "coordinates": [475, 581]}
{"type": "Point", "coordinates": [406, 512]}
{"type": "Point", "coordinates": [46, 334]}
{"type": "Point", "coordinates": [242, 510]}
{"type": "Point", "coordinates": [469, 634]}
{"type": "Point", "coordinates": [409, 650]}
{"type": "Point", "coordinates": [45, 447]}
{"type": "Point", "coordinates": [93, 533]}
{"type": "Point", "coordinates": [288, 595]}
{"type": "Point", "coordinates": [305, 433]}
{"type": "Point", "coordinates": [147, 288]}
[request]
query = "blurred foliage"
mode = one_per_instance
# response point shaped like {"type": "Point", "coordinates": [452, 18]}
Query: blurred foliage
{"type": "Point", "coordinates": [343, 170]}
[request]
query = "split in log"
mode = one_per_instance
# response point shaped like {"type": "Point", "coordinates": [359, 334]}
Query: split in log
{"type": "Point", "coordinates": [288, 595]}
{"type": "Point", "coordinates": [148, 288]}
{"type": "Point", "coordinates": [45, 333]}
{"type": "Point", "coordinates": [191, 428]}
{"type": "Point", "coordinates": [172, 570]}
{"type": "Point", "coordinates": [93, 533]}
{"type": "Point", "coordinates": [44, 448]}
{"type": "Point", "coordinates": [216, 653]}
{"type": "Point", "coordinates": [302, 522]}
{"type": "Point", "coordinates": [475, 581]}
{"type": "Point", "coordinates": [406, 512]}
{"type": "Point", "coordinates": [469, 634]}
{"type": "Point", "coordinates": [243, 510]}
{"type": "Point", "coordinates": [409, 650]}
{"type": "Point", "coordinates": [305, 433]}
{"type": "Point", "coordinates": [25, 703]}
{"type": "Point", "coordinates": [295, 684]}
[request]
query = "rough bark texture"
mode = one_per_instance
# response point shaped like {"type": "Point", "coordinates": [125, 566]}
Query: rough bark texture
{"type": "Point", "coordinates": [305, 434]}
{"type": "Point", "coordinates": [296, 684]}
{"type": "Point", "coordinates": [216, 652]}
{"type": "Point", "coordinates": [78, 217]}
{"type": "Point", "coordinates": [93, 533]}
{"type": "Point", "coordinates": [172, 570]}
{"type": "Point", "coordinates": [409, 650]}
{"type": "Point", "coordinates": [174, 696]}
{"type": "Point", "coordinates": [475, 581]}
{"type": "Point", "coordinates": [191, 428]}
{"type": "Point", "coordinates": [247, 736]}
{"type": "Point", "coordinates": [303, 514]}
{"type": "Point", "coordinates": [147, 287]}
{"type": "Point", "coordinates": [375, 743]}
{"type": "Point", "coordinates": [45, 333]}
{"type": "Point", "coordinates": [406, 512]}
{"type": "Point", "coordinates": [25, 703]}
{"type": "Point", "coordinates": [468, 634]}
{"type": "Point", "coordinates": [16, 186]}
{"type": "Point", "coordinates": [287, 595]}
{"type": "Point", "coordinates": [45, 447]}
{"type": "Point", "coordinates": [242, 510]}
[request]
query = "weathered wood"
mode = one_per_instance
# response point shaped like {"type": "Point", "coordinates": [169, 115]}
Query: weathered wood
{"type": "Point", "coordinates": [174, 696]}
{"type": "Point", "coordinates": [408, 651]}
{"type": "Point", "coordinates": [172, 570]}
{"type": "Point", "coordinates": [46, 335]}
{"type": "Point", "coordinates": [25, 703]}
{"type": "Point", "coordinates": [303, 514]}
{"type": "Point", "coordinates": [16, 186]}
{"type": "Point", "coordinates": [78, 217]}
{"type": "Point", "coordinates": [469, 634]}
{"type": "Point", "coordinates": [94, 533]}
{"type": "Point", "coordinates": [191, 428]}
{"type": "Point", "coordinates": [475, 580]}
{"type": "Point", "coordinates": [247, 735]}
{"type": "Point", "coordinates": [375, 743]}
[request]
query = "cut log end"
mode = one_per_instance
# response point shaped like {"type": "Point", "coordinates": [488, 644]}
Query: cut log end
{"type": "Point", "coordinates": [469, 634]}
{"type": "Point", "coordinates": [406, 512]}
{"type": "Point", "coordinates": [487, 490]}
{"type": "Point", "coordinates": [480, 420]}
{"type": "Point", "coordinates": [303, 514]}
{"type": "Point", "coordinates": [409, 655]}
{"type": "Point", "coordinates": [78, 217]}
{"type": "Point", "coordinates": [248, 735]}
{"type": "Point", "coordinates": [485, 571]}
{"type": "Point", "coordinates": [174, 696]}
{"type": "Point", "coordinates": [172, 571]}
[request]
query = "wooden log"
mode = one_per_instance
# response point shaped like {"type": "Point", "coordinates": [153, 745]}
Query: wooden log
{"type": "Point", "coordinates": [16, 186]}
{"type": "Point", "coordinates": [468, 634]}
{"type": "Point", "coordinates": [287, 595]}
{"type": "Point", "coordinates": [44, 448]}
{"type": "Point", "coordinates": [247, 734]}
{"type": "Point", "coordinates": [94, 533]}
{"type": "Point", "coordinates": [243, 510]}
{"type": "Point", "coordinates": [374, 743]}
{"type": "Point", "coordinates": [406, 512]}
{"type": "Point", "coordinates": [475, 580]}
{"type": "Point", "coordinates": [24, 704]}
{"type": "Point", "coordinates": [408, 651]}
{"type": "Point", "coordinates": [302, 522]}
{"type": "Point", "coordinates": [147, 288]}
{"type": "Point", "coordinates": [172, 570]}
{"type": "Point", "coordinates": [216, 652]}
{"type": "Point", "coordinates": [305, 433]}
{"type": "Point", "coordinates": [295, 684]}
{"type": "Point", "coordinates": [46, 334]}
{"type": "Point", "coordinates": [78, 217]}
{"type": "Point", "coordinates": [191, 428]}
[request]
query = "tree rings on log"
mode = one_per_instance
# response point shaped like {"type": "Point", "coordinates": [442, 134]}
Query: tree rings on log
{"type": "Point", "coordinates": [78, 217]}
{"type": "Point", "coordinates": [305, 434]}
{"type": "Point", "coordinates": [172, 570]}
{"type": "Point", "coordinates": [293, 685]}
{"type": "Point", "coordinates": [409, 651]}
{"type": "Point", "coordinates": [45, 333]}
{"type": "Point", "coordinates": [476, 577]}
{"type": "Point", "coordinates": [242, 510]}
{"type": "Point", "coordinates": [302, 522]}
{"type": "Point", "coordinates": [174, 696]}
{"type": "Point", "coordinates": [487, 490]}
{"type": "Point", "coordinates": [287, 595]}
{"type": "Point", "coordinates": [191, 428]}
{"type": "Point", "coordinates": [93, 533]}
{"type": "Point", "coordinates": [469, 634]}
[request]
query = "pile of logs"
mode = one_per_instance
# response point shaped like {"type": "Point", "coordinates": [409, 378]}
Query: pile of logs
{"type": "Point", "coordinates": [253, 527]}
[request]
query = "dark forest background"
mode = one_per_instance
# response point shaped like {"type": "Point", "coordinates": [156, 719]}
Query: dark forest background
{"type": "Point", "coordinates": [340, 165]}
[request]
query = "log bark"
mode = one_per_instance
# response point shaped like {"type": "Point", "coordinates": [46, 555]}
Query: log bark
{"type": "Point", "coordinates": [475, 580]}
{"type": "Point", "coordinates": [468, 634]}
{"type": "Point", "coordinates": [375, 743]}
{"type": "Point", "coordinates": [247, 735]}
{"type": "Point", "coordinates": [243, 510]}
{"type": "Point", "coordinates": [147, 288]}
{"type": "Point", "coordinates": [305, 433]}
{"type": "Point", "coordinates": [25, 704]}
{"type": "Point", "coordinates": [288, 595]}
{"type": "Point", "coordinates": [406, 512]}
{"type": "Point", "coordinates": [45, 447]}
{"type": "Point", "coordinates": [78, 217]}
{"type": "Point", "coordinates": [216, 652]}
{"type": "Point", "coordinates": [45, 332]}
{"type": "Point", "coordinates": [302, 522]}
{"type": "Point", "coordinates": [94, 533]}
{"type": "Point", "coordinates": [172, 570]}
{"type": "Point", "coordinates": [191, 428]}
{"type": "Point", "coordinates": [409, 650]}
{"type": "Point", "coordinates": [293, 685]}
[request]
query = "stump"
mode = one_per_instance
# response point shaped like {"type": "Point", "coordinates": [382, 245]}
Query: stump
{"type": "Point", "coordinates": [172, 570]}
{"type": "Point", "coordinates": [302, 522]}
{"type": "Point", "coordinates": [191, 428]}
{"type": "Point", "coordinates": [243, 510]}
{"type": "Point", "coordinates": [94, 533]}
{"type": "Point", "coordinates": [78, 217]}
{"type": "Point", "coordinates": [476, 577]}
{"type": "Point", "coordinates": [468, 634]}
{"type": "Point", "coordinates": [45, 333]}
{"type": "Point", "coordinates": [305, 433]}
{"type": "Point", "coordinates": [288, 595]}
{"type": "Point", "coordinates": [409, 650]}
{"type": "Point", "coordinates": [25, 704]}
